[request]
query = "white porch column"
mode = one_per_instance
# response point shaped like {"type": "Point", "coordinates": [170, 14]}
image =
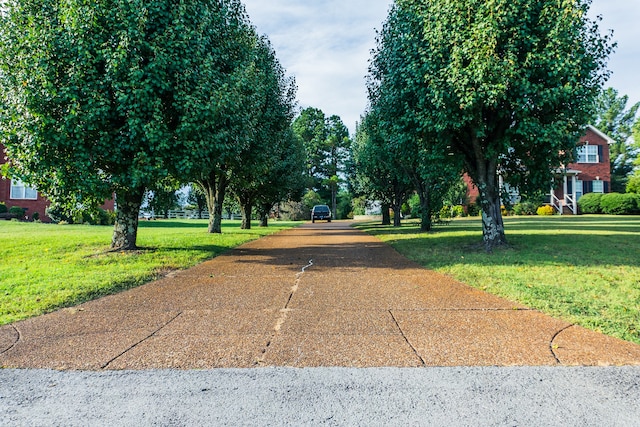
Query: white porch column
{"type": "Point", "coordinates": [552, 198]}
{"type": "Point", "coordinates": [573, 196]}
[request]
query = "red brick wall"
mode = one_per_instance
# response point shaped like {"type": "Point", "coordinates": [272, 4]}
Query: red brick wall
{"type": "Point", "coordinates": [472, 190]}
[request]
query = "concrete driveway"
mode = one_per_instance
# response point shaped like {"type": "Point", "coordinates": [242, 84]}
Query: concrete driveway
{"type": "Point", "coordinates": [321, 295]}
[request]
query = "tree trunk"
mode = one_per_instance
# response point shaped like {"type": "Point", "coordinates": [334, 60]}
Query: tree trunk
{"type": "Point", "coordinates": [424, 193]}
{"type": "Point", "coordinates": [425, 208]}
{"type": "Point", "coordinates": [215, 222]}
{"type": "Point", "coordinates": [264, 215]}
{"type": "Point", "coordinates": [492, 223]}
{"type": "Point", "coordinates": [397, 214]}
{"type": "Point", "coordinates": [246, 207]}
{"type": "Point", "coordinates": [214, 188]}
{"type": "Point", "coordinates": [399, 197]}
{"type": "Point", "coordinates": [334, 204]}
{"type": "Point", "coordinates": [386, 218]}
{"type": "Point", "coordinates": [125, 231]}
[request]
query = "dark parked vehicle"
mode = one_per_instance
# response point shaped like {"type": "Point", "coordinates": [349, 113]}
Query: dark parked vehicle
{"type": "Point", "coordinates": [321, 212]}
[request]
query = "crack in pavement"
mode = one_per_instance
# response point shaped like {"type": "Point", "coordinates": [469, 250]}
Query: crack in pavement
{"type": "Point", "coordinates": [104, 366]}
{"type": "Point", "coordinates": [424, 363]}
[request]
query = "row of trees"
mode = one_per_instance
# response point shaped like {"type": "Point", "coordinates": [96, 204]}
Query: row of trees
{"type": "Point", "coordinates": [487, 88]}
{"type": "Point", "coordinates": [121, 96]}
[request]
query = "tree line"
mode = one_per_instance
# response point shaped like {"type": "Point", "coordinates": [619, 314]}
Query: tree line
{"type": "Point", "coordinates": [127, 97]}
{"type": "Point", "coordinates": [122, 96]}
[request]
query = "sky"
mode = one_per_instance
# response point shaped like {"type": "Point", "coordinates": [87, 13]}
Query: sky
{"type": "Point", "coordinates": [326, 45]}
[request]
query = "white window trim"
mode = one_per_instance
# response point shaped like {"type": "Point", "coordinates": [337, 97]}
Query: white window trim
{"type": "Point", "coordinates": [18, 186]}
{"type": "Point", "coordinates": [583, 154]}
{"type": "Point", "coordinates": [600, 183]}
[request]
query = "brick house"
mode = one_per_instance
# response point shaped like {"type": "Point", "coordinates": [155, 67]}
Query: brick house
{"type": "Point", "coordinates": [591, 173]}
{"type": "Point", "coordinates": [15, 193]}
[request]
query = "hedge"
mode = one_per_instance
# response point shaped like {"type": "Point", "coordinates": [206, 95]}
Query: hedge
{"type": "Point", "coordinates": [618, 204]}
{"type": "Point", "coordinates": [590, 203]}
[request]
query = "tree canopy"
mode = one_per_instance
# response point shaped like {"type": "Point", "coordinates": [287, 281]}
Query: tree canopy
{"type": "Point", "coordinates": [271, 166]}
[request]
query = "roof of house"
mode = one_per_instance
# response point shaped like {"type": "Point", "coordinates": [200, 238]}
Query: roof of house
{"type": "Point", "coordinates": [601, 134]}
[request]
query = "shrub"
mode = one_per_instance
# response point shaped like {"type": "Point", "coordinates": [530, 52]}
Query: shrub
{"type": "Point", "coordinates": [107, 217]}
{"type": "Point", "coordinates": [451, 212]}
{"type": "Point", "coordinates": [3, 208]}
{"type": "Point", "coordinates": [35, 216]}
{"type": "Point", "coordinates": [17, 211]}
{"type": "Point", "coordinates": [545, 210]}
{"type": "Point", "coordinates": [618, 204]}
{"type": "Point", "coordinates": [636, 198]}
{"type": "Point", "coordinates": [445, 212]}
{"type": "Point", "coordinates": [58, 214]}
{"type": "Point", "coordinates": [474, 209]}
{"type": "Point", "coordinates": [525, 208]}
{"type": "Point", "coordinates": [590, 203]}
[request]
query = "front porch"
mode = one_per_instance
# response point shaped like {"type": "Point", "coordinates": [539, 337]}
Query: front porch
{"type": "Point", "coordinates": [565, 200]}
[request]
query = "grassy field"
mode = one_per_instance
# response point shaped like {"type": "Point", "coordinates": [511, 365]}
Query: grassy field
{"type": "Point", "coordinates": [44, 267]}
{"type": "Point", "coordinates": [583, 269]}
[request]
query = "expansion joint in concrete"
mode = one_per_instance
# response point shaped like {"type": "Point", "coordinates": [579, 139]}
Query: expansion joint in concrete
{"type": "Point", "coordinates": [553, 347]}
{"type": "Point", "coordinates": [284, 311]}
{"type": "Point", "coordinates": [18, 337]}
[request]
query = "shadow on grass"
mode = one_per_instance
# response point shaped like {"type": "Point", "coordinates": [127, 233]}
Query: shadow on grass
{"type": "Point", "coordinates": [533, 241]}
{"type": "Point", "coordinates": [185, 223]}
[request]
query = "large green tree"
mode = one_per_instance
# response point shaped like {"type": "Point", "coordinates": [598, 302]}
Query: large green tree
{"type": "Point", "coordinates": [378, 175]}
{"type": "Point", "coordinates": [511, 86]}
{"type": "Point", "coordinates": [225, 109]}
{"type": "Point", "coordinates": [399, 96]}
{"type": "Point", "coordinates": [613, 118]}
{"type": "Point", "coordinates": [112, 96]}
{"type": "Point", "coordinates": [259, 173]}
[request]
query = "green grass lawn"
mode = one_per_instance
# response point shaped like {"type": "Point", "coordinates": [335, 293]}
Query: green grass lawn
{"type": "Point", "coordinates": [583, 269]}
{"type": "Point", "coordinates": [44, 266]}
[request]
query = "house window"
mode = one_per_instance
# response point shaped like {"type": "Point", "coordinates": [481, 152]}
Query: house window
{"type": "Point", "coordinates": [20, 191]}
{"type": "Point", "coordinates": [588, 154]}
{"type": "Point", "coordinates": [598, 186]}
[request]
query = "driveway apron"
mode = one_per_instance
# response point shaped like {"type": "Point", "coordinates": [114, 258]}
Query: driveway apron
{"type": "Point", "coordinates": [321, 294]}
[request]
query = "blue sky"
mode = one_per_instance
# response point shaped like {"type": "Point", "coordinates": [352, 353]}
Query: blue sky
{"type": "Point", "coordinates": [326, 44]}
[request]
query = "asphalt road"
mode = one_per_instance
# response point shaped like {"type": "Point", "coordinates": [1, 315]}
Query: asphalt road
{"type": "Point", "coordinates": [489, 396]}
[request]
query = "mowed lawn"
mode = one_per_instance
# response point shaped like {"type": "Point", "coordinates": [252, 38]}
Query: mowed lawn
{"type": "Point", "coordinates": [45, 266]}
{"type": "Point", "coordinates": [583, 269]}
